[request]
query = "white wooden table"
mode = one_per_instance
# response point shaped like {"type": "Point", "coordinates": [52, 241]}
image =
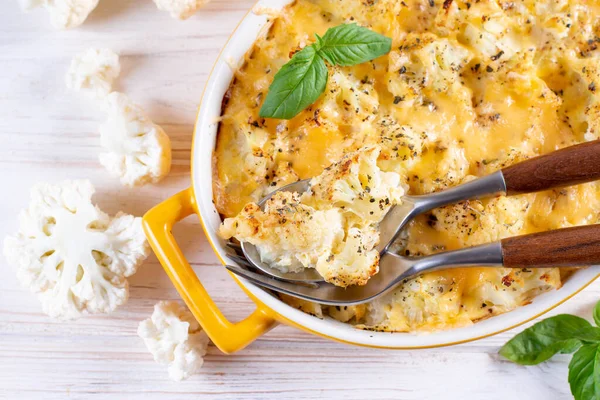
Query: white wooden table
{"type": "Point", "coordinates": [49, 134]}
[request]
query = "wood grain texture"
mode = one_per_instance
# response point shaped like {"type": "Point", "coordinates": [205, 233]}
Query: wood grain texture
{"type": "Point", "coordinates": [569, 166]}
{"type": "Point", "coordinates": [573, 247]}
{"type": "Point", "coordinates": [49, 134]}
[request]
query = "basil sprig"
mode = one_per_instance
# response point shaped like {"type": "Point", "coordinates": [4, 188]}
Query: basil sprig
{"type": "Point", "coordinates": [563, 334]}
{"type": "Point", "coordinates": [301, 81]}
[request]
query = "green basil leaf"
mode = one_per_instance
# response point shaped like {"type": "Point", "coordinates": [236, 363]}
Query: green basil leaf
{"type": "Point", "coordinates": [597, 314]}
{"type": "Point", "coordinates": [544, 339]}
{"type": "Point", "coordinates": [350, 44]}
{"type": "Point", "coordinates": [298, 84]}
{"type": "Point", "coordinates": [587, 335]}
{"type": "Point", "coordinates": [584, 373]}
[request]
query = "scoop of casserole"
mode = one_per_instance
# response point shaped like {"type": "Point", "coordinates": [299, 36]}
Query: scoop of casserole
{"type": "Point", "coordinates": [332, 227]}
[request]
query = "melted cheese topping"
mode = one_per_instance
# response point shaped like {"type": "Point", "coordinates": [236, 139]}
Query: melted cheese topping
{"type": "Point", "coordinates": [469, 87]}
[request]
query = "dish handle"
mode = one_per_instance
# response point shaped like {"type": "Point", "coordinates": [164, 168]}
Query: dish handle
{"type": "Point", "coordinates": [228, 337]}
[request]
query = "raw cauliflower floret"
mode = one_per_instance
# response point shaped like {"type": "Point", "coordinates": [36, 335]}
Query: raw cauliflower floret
{"type": "Point", "coordinates": [180, 9]}
{"type": "Point", "coordinates": [138, 150]}
{"type": "Point", "coordinates": [74, 256]}
{"type": "Point", "coordinates": [64, 14]}
{"type": "Point", "coordinates": [357, 185]}
{"type": "Point", "coordinates": [174, 338]}
{"type": "Point", "coordinates": [93, 72]}
{"type": "Point", "coordinates": [288, 234]}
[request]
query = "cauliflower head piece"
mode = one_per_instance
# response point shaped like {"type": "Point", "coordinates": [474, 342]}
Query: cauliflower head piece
{"type": "Point", "coordinates": [138, 150]}
{"type": "Point", "coordinates": [476, 222]}
{"type": "Point", "coordinates": [180, 9]}
{"type": "Point", "coordinates": [424, 301]}
{"type": "Point", "coordinates": [174, 338]}
{"type": "Point", "coordinates": [354, 260]}
{"type": "Point", "coordinates": [504, 289]}
{"type": "Point", "coordinates": [288, 234]}
{"type": "Point", "coordinates": [426, 63]}
{"type": "Point", "coordinates": [93, 72]}
{"type": "Point", "coordinates": [74, 256]}
{"type": "Point", "coordinates": [64, 14]}
{"type": "Point", "coordinates": [357, 185]}
{"type": "Point", "coordinates": [332, 227]}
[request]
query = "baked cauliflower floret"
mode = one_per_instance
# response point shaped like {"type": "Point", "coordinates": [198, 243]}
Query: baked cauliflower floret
{"type": "Point", "coordinates": [550, 21]}
{"type": "Point", "coordinates": [503, 289]}
{"type": "Point", "coordinates": [174, 338]}
{"type": "Point", "coordinates": [577, 81]}
{"type": "Point", "coordinates": [74, 256]}
{"type": "Point", "coordinates": [426, 63]}
{"type": "Point", "coordinates": [357, 185]}
{"type": "Point", "coordinates": [313, 309]}
{"type": "Point", "coordinates": [584, 97]}
{"type": "Point", "coordinates": [331, 227]}
{"type": "Point", "coordinates": [519, 74]}
{"type": "Point", "coordinates": [431, 301]}
{"type": "Point", "coordinates": [347, 313]}
{"type": "Point", "coordinates": [503, 159]}
{"type": "Point", "coordinates": [180, 9]}
{"type": "Point", "coordinates": [401, 146]}
{"type": "Point", "coordinates": [93, 72]}
{"type": "Point", "coordinates": [567, 207]}
{"type": "Point", "coordinates": [288, 234]}
{"type": "Point", "coordinates": [482, 221]}
{"type": "Point", "coordinates": [447, 166]}
{"type": "Point", "coordinates": [63, 13]}
{"type": "Point", "coordinates": [283, 175]}
{"type": "Point", "coordinates": [487, 29]}
{"type": "Point", "coordinates": [138, 150]}
{"type": "Point", "coordinates": [347, 98]}
{"type": "Point", "coordinates": [353, 261]}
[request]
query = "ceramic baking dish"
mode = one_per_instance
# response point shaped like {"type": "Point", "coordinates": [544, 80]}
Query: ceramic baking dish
{"type": "Point", "coordinates": [231, 337]}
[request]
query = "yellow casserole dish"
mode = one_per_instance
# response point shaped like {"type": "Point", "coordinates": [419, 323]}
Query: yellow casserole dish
{"type": "Point", "coordinates": [270, 310]}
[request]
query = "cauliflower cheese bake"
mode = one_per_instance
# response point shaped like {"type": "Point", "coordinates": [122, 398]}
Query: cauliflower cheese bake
{"type": "Point", "coordinates": [468, 87]}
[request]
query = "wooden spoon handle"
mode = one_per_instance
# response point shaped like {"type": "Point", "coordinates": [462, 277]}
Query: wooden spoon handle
{"type": "Point", "coordinates": [569, 166]}
{"type": "Point", "coordinates": [563, 247]}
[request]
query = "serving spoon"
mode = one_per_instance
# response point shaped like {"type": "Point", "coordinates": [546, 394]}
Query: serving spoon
{"type": "Point", "coordinates": [559, 248]}
{"type": "Point", "coordinates": [569, 166]}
